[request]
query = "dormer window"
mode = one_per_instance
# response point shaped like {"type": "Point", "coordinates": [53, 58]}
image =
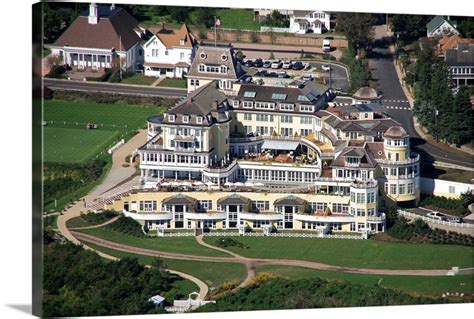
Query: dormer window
{"type": "Point", "coordinates": [185, 118]}
{"type": "Point", "coordinates": [181, 41]}
{"type": "Point", "coordinates": [199, 120]}
{"type": "Point", "coordinates": [235, 103]}
{"type": "Point", "coordinates": [171, 118]}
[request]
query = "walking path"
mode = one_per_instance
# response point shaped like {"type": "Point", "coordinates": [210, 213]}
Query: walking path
{"type": "Point", "coordinates": [254, 262]}
{"type": "Point", "coordinates": [157, 81]}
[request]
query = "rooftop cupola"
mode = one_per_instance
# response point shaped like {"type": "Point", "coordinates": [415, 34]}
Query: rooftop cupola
{"type": "Point", "coordinates": [93, 15]}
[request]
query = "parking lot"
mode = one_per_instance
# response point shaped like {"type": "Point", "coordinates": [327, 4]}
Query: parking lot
{"type": "Point", "coordinates": [326, 72]}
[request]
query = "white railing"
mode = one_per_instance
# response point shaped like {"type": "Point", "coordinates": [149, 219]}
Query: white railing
{"type": "Point", "coordinates": [178, 234]}
{"type": "Point", "coordinates": [434, 221]}
{"type": "Point", "coordinates": [287, 235]}
{"type": "Point", "coordinates": [414, 158]}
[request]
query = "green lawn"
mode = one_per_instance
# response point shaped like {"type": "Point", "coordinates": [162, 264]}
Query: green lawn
{"type": "Point", "coordinates": [138, 79]}
{"type": "Point", "coordinates": [357, 253]}
{"type": "Point", "coordinates": [75, 145]}
{"type": "Point", "coordinates": [174, 83]}
{"type": "Point", "coordinates": [81, 222]}
{"type": "Point", "coordinates": [213, 274]}
{"type": "Point", "coordinates": [67, 140]}
{"type": "Point", "coordinates": [412, 284]}
{"type": "Point", "coordinates": [242, 19]}
{"type": "Point", "coordinates": [185, 245]}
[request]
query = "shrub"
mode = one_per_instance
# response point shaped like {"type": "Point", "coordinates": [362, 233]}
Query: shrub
{"type": "Point", "coordinates": [57, 71]}
{"type": "Point", "coordinates": [229, 242]}
{"type": "Point", "coordinates": [446, 205]}
{"type": "Point", "coordinates": [202, 35]}
{"type": "Point", "coordinates": [98, 218]}
{"type": "Point", "coordinates": [127, 225]}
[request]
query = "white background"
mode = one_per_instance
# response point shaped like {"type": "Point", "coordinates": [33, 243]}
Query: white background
{"type": "Point", "coordinates": [15, 125]}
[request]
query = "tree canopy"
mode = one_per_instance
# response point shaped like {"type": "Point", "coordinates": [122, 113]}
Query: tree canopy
{"type": "Point", "coordinates": [357, 27]}
{"type": "Point", "coordinates": [410, 27]}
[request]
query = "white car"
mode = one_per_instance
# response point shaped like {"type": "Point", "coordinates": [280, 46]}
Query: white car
{"type": "Point", "coordinates": [287, 65]}
{"type": "Point", "coordinates": [436, 215]}
{"type": "Point", "coordinates": [276, 64]}
{"type": "Point", "coordinates": [326, 67]}
{"type": "Point", "coordinates": [307, 77]}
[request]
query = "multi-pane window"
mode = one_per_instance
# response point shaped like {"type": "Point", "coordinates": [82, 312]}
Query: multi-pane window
{"type": "Point", "coordinates": [306, 108]}
{"type": "Point", "coordinates": [306, 120]}
{"type": "Point", "coordinates": [360, 198]}
{"type": "Point", "coordinates": [247, 104]}
{"type": "Point", "coordinates": [401, 189]}
{"type": "Point", "coordinates": [148, 205]}
{"type": "Point", "coordinates": [411, 188]}
{"type": "Point", "coordinates": [204, 204]}
{"type": "Point", "coordinates": [287, 119]}
{"type": "Point", "coordinates": [393, 189]}
{"type": "Point", "coordinates": [360, 212]}
{"type": "Point", "coordinates": [247, 116]}
{"type": "Point", "coordinates": [260, 205]}
{"type": "Point", "coordinates": [370, 198]}
{"type": "Point", "coordinates": [264, 117]}
{"type": "Point", "coordinates": [265, 105]}
{"type": "Point", "coordinates": [286, 106]}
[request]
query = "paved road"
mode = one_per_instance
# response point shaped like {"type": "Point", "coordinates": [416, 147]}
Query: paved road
{"type": "Point", "coordinates": [339, 76]}
{"type": "Point", "coordinates": [396, 103]}
{"type": "Point", "coordinates": [114, 88]}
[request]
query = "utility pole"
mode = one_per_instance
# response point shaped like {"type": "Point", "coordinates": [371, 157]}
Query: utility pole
{"type": "Point", "coordinates": [436, 124]}
{"type": "Point", "coordinates": [120, 57]}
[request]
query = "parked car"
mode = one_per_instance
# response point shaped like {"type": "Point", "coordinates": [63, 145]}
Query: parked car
{"type": "Point", "coordinates": [262, 73]}
{"type": "Point", "coordinates": [326, 67]}
{"type": "Point", "coordinates": [267, 64]}
{"type": "Point", "coordinates": [283, 75]}
{"type": "Point", "coordinates": [272, 74]}
{"type": "Point", "coordinates": [338, 90]}
{"type": "Point", "coordinates": [286, 65]}
{"type": "Point", "coordinates": [307, 77]}
{"type": "Point", "coordinates": [436, 215]}
{"type": "Point", "coordinates": [258, 63]}
{"type": "Point", "coordinates": [246, 79]}
{"type": "Point", "coordinates": [276, 64]}
{"type": "Point", "coordinates": [248, 62]}
{"type": "Point", "coordinates": [307, 66]}
{"type": "Point", "coordinates": [297, 65]}
{"type": "Point", "coordinates": [455, 219]}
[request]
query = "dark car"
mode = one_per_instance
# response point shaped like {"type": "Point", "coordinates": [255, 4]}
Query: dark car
{"type": "Point", "coordinates": [248, 63]}
{"type": "Point", "coordinates": [267, 64]}
{"type": "Point", "coordinates": [272, 75]}
{"type": "Point", "coordinates": [297, 66]}
{"type": "Point", "coordinates": [258, 63]}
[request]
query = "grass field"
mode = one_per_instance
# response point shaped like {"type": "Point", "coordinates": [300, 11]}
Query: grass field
{"type": "Point", "coordinates": [174, 83]}
{"type": "Point", "coordinates": [430, 285]}
{"type": "Point", "coordinates": [70, 145]}
{"type": "Point", "coordinates": [357, 253]}
{"type": "Point", "coordinates": [138, 79]}
{"type": "Point", "coordinates": [80, 222]}
{"type": "Point", "coordinates": [242, 19]}
{"type": "Point", "coordinates": [67, 140]}
{"type": "Point", "coordinates": [185, 245]}
{"type": "Point", "coordinates": [213, 274]}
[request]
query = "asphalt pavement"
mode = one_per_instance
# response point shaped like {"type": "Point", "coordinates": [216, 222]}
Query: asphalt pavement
{"type": "Point", "coordinates": [396, 104]}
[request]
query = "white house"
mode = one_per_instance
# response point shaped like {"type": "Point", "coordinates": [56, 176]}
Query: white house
{"type": "Point", "coordinates": [99, 36]}
{"type": "Point", "coordinates": [305, 21]}
{"type": "Point", "coordinates": [169, 52]}
{"type": "Point", "coordinates": [439, 26]}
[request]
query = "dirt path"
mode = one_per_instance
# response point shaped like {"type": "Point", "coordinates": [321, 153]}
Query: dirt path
{"type": "Point", "coordinates": [255, 262]}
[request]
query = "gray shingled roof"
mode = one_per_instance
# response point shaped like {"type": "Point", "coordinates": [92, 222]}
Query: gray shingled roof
{"type": "Point", "coordinates": [290, 200]}
{"type": "Point", "coordinates": [212, 56]}
{"type": "Point", "coordinates": [436, 22]}
{"type": "Point", "coordinates": [179, 199]}
{"type": "Point", "coordinates": [233, 199]}
{"type": "Point", "coordinates": [199, 103]}
{"type": "Point", "coordinates": [462, 56]}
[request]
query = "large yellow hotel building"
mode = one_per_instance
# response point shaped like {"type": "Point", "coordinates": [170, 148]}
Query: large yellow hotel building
{"type": "Point", "coordinates": [234, 155]}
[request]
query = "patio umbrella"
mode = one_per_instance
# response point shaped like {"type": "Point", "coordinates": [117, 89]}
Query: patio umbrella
{"type": "Point", "coordinates": [198, 183]}
{"type": "Point", "coordinates": [239, 184]}
{"type": "Point", "coordinates": [228, 184]}
{"type": "Point", "coordinates": [249, 184]}
{"type": "Point", "coordinates": [259, 184]}
{"type": "Point", "coordinates": [165, 184]}
{"type": "Point", "coordinates": [175, 184]}
{"type": "Point", "coordinates": [187, 184]}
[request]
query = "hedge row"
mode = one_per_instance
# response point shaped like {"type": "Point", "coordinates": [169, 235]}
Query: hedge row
{"type": "Point", "coordinates": [128, 226]}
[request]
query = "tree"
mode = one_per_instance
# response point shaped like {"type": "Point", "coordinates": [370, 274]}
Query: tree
{"type": "Point", "coordinates": [277, 20]}
{"type": "Point", "coordinates": [410, 27]}
{"type": "Point", "coordinates": [272, 56]}
{"type": "Point", "coordinates": [441, 100]}
{"type": "Point", "coordinates": [56, 20]}
{"type": "Point", "coordinates": [467, 27]}
{"type": "Point", "coordinates": [239, 55]}
{"type": "Point", "coordinates": [357, 27]}
{"type": "Point", "coordinates": [461, 128]}
{"type": "Point", "coordinates": [179, 14]}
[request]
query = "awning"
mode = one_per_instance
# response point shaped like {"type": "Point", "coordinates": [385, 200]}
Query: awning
{"type": "Point", "coordinates": [280, 145]}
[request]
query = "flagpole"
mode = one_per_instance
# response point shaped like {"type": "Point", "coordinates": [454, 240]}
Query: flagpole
{"type": "Point", "coordinates": [215, 31]}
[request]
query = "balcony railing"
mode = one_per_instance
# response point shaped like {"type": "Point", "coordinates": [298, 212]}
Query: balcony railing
{"type": "Point", "coordinates": [414, 158]}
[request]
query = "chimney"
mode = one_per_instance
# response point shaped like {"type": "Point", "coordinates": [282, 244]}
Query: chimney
{"type": "Point", "coordinates": [214, 105]}
{"type": "Point", "coordinates": [93, 16]}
